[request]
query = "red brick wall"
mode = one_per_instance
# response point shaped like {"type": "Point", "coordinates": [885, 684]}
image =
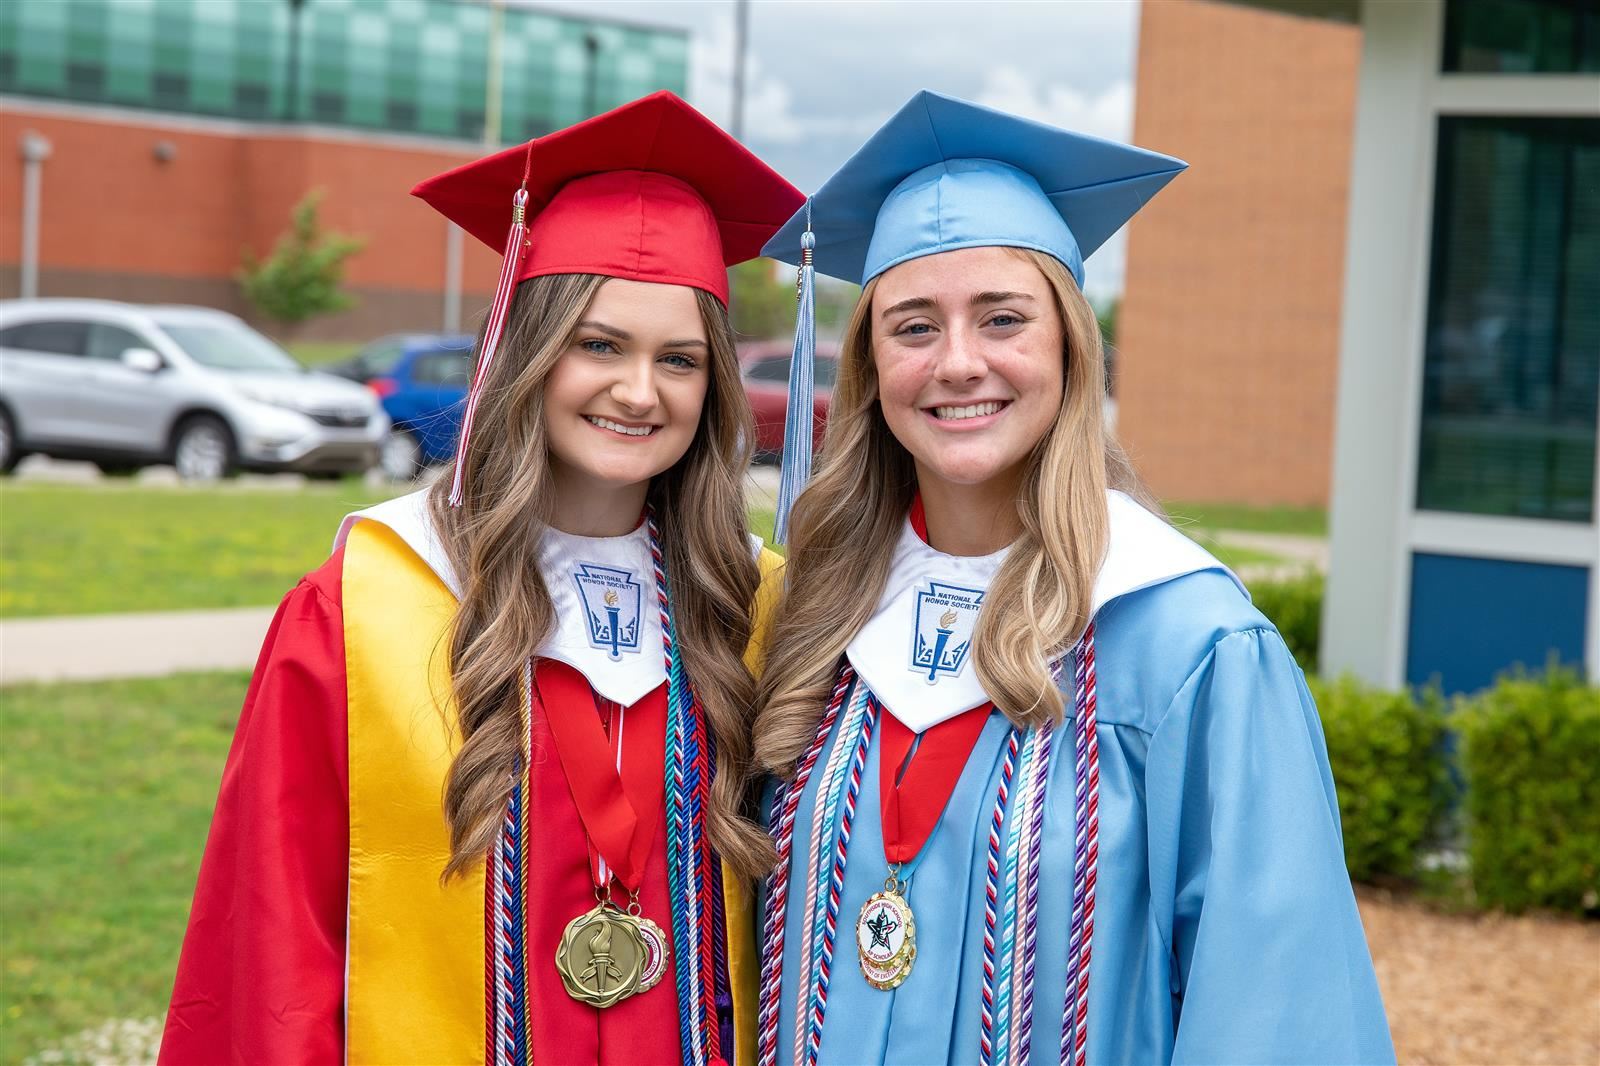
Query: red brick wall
{"type": "Point", "coordinates": [116, 222]}
{"type": "Point", "coordinates": [1229, 329]}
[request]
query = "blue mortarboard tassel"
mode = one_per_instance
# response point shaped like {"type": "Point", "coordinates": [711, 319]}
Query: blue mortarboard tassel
{"type": "Point", "coordinates": [797, 426]}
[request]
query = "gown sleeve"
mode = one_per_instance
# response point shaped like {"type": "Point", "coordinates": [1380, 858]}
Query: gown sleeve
{"type": "Point", "coordinates": [1248, 880]}
{"type": "Point", "coordinates": [261, 975]}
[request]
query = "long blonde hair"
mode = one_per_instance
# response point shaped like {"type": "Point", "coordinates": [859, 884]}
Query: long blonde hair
{"type": "Point", "coordinates": [506, 610]}
{"type": "Point", "coordinates": [845, 525]}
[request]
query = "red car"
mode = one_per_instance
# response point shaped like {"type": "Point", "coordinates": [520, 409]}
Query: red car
{"type": "Point", "coordinates": [765, 369]}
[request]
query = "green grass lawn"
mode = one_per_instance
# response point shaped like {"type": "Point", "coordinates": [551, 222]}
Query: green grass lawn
{"type": "Point", "coordinates": [319, 353]}
{"type": "Point", "coordinates": [106, 798]}
{"type": "Point", "coordinates": [1303, 521]}
{"type": "Point", "coordinates": [73, 549]}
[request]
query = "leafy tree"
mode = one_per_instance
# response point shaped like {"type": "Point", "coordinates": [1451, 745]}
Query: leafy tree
{"type": "Point", "coordinates": [303, 276]}
{"type": "Point", "coordinates": [1107, 314]}
{"type": "Point", "coordinates": [760, 303]}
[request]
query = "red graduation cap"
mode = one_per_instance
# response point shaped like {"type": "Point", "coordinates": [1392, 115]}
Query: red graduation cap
{"type": "Point", "coordinates": [651, 191]}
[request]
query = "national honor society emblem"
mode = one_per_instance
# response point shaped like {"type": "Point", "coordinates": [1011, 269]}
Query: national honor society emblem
{"type": "Point", "coordinates": [946, 615]}
{"type": "Point", "coordinates": [886, 936]}
{"type": "Point", "coordinates": [611, 604]}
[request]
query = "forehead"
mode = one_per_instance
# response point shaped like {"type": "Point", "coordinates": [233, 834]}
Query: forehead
{"type": "Point", "coordinates": [643, 306]}
{"type": "Point", "coordinates": [954, 276]}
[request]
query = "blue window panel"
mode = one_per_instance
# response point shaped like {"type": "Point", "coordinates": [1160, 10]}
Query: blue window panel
{"type": "Point", "coordinates": [1472, 619]}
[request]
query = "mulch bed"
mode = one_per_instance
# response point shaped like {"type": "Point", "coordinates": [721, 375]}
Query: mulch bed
{"type": "Point", "coordinates": [1485, 988]}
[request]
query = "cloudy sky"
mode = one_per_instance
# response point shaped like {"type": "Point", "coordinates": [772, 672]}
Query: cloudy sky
{"type": "Point", "coordinates": [823, 74]}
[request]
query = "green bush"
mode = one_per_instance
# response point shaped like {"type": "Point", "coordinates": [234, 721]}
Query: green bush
{"type": "Point", "coordinates": [1295, 607]}
{"type": "Point", "coordinates": [1386, 749]}
{"type": "Point", "coordinates": [1530, 753]}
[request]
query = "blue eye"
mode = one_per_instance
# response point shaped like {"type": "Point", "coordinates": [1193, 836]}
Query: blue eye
{"type": "Point", "coordinates": [1005, 320]}
{"type": "Point", "coordinates": [917, 329]}
{"type": "Point", "coordinates": [680, 361]}
{"type": "Point", "coordinates": [597, 347]}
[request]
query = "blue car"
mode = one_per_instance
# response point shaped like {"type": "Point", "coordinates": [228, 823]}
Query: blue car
{"type": "Point", "coordinates": [421, 380]}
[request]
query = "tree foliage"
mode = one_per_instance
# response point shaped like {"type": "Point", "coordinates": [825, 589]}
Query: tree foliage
{"type": "Point", "coordinates": [304, 275]}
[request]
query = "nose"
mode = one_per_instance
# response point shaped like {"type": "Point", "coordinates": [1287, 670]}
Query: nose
{"type": "Point", "coordinates": [960, 359]}
{"type": "Point", "coordinates": [635, 386]}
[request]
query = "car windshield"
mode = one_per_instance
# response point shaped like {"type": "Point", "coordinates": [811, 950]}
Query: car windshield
{"type": "Point", "coordinates": [230, 346]}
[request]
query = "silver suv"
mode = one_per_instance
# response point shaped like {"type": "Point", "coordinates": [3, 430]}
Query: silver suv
{"type": "Point", "coordinates": [128, 386]}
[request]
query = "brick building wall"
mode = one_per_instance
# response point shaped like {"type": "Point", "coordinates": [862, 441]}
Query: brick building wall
{"type": "Point", "coordinates": [1228, 336]}
{"type": "Point", "coordinates": [119, 223]}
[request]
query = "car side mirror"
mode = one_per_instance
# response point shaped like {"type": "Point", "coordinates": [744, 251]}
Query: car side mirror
{"type": "Point", "coordinates": [144, 360]}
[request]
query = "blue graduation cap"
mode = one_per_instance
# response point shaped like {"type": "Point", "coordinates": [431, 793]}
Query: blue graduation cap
{"type": "Point", "coordinates": [944, 174]}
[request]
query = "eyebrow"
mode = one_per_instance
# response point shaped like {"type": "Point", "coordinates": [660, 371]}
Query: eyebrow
{"type": "Point", "coordinates": [624, 335]}
{"type": "Point", "coordinates": [982, 299]}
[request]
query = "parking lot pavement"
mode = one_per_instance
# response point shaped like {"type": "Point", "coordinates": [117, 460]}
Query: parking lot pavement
{"type": "Point", "coordinates": [94, 647]}
{"type": "Point", "coordinates": [38, 468]}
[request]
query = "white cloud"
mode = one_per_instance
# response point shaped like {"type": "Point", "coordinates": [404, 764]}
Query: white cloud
{"type": "Point", "coordinates": [1106, 113]}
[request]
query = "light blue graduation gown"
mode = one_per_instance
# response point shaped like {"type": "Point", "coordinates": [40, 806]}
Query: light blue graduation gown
{"type": "Point", "coordinates": [1225, 926]}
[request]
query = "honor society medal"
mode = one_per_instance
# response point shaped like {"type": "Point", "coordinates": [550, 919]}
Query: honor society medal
{"type": "Point", "coordinates": [602, 957]}
{"type": "Point", "coordinates": [886, 939]}
{"type": "Point", "coordinates": [655, 954]}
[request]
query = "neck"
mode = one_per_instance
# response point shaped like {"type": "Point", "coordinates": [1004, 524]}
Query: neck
{"type": "Point", "coordinates": [586, 508]}
{"type": "Point", "coordinates": [970, 519]}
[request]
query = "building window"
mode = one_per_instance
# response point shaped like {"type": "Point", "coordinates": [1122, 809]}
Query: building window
{"type": "Point", "coordinates": [1512, 357]}
{"type": "Point", "coordinates": [1521, 36]}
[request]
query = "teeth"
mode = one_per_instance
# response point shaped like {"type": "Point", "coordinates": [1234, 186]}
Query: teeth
{"type": "Point", "coordinates": [618, 427]}
{"type": "Point", "coordinates": [976, 410]}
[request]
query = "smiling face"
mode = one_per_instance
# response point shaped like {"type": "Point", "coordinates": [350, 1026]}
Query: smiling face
{"type": "Point", "coordinates": [622, 403]}
{"type": "Point", "coordinates": [968, 347]}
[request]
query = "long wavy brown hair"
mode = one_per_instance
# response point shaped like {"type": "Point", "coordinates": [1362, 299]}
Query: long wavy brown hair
{"type": "Point", "coordinates": [845, 525]}
{"type": "Point", "coordinates": [506, 610]}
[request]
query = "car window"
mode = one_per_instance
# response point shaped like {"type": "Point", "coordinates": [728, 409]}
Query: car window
{"type": "Point", "coordinates": [775, 368]}
{"type": "Point", "coordinates": [55, 337]}
{"type": "Point", "coordinates": [109, 342]}
{"type": "Point", "coordinates": [380, 356]}
{"type": "Point", "coordinates": [442, 368]}
{"type": "Point", "coordinates": [228, 345]}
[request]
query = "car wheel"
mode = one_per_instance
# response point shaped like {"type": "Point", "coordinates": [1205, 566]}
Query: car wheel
{"type": "Point", "coordinates": [110, 469]}
{"type": "Point", "coordinates": [10, 454]}
{"type": "Point", "coordinates": [203, 450]}
{"type": "Point", "coordinates": [401, 457]}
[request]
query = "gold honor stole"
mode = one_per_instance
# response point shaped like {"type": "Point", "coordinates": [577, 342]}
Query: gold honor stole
{"type": "Point", "coordinates": [414, 970]}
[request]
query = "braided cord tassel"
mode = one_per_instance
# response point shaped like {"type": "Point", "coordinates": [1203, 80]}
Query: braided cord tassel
{"type": "Point", "coordinates": [1028, 943]}
{"type": "Point", "coordinates": [1008, 914]}
{"type": "Point", "coordinates": [1085, 857]}
{"type": "Point", "coordinates": [787, 804]}
{"type": "Point", "coordinates": [824, 823]}
{"type": "Point", "coordinates": [499, 308]}
{"type": "Point", "coordinates": [991, 896]}
{"type": "Point", "coordinates": [681, 868]}
{"type": "Point", "coordinates": [800, 414]}
{"type": "Point", "coordinates": [841, 852]}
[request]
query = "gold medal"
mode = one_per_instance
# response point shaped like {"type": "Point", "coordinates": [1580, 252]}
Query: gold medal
{"type": "Point", "coordinates": [602, 956]}
{"type": "Point", "coordinates": [886, 937]}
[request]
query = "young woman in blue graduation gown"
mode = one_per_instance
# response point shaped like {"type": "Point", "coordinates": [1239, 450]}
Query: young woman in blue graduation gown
{"type": "Point", "coordinates": [1051, 788]}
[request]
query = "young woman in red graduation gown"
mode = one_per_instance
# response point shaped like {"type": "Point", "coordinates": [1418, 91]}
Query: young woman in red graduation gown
{"type": "Point", "coordinates": [484, 801]}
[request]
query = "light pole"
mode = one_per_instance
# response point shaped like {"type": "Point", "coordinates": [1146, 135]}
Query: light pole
{"type": "Point", "coordinates": [35, 149]}
{"type": "Point", "coordinates": [741, 41]}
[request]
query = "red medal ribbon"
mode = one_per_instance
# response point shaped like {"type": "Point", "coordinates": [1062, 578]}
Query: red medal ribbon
{"type": "Point", "coordinates": [619, 811]}
{"type": "Point", "coordinates": [912, 797]}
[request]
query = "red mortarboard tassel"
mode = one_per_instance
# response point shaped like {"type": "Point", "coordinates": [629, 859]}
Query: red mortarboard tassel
{"type": "Point", "coordinates": [516, 243]}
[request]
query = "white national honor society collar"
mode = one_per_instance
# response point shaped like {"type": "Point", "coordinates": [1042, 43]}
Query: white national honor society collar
{"type": "Point", "coordinates": [915, 652]}
{"type": "Point", "coordinates": [603, 589]}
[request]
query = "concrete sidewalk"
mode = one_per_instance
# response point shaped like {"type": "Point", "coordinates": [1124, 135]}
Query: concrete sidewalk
{"type": "Point", "coordinates": [130, 645]}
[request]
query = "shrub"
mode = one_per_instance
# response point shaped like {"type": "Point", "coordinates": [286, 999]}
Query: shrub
{"type": "Point", "coordinates": [1386, 749]}
{"type": "Point", "coordinates": [1295, 607]}
{"type": "Point", "coordinates": [1530, 749]}
{"type": "Point", "coordinates": [304, 275]}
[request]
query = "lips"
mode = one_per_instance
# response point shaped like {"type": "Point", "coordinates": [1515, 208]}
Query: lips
{"type": "Point", "coordinates": [623, 428]}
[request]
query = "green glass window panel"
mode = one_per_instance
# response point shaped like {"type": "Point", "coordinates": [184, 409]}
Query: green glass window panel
{"type": "Point", "coordinates": [1522, 36]}
{"type": "Point", "coordinates": [128, 85]}
{"type": "Point", "coordinates": [1512, 357]}
{"type": "Point", "coordinates": [38, 20]}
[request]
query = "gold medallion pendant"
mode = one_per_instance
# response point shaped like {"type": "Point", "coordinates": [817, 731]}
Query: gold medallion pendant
{"type": "Point", "coordinates": [602, 956]}
{"type": "Point", "coordinates": [886, 937]}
